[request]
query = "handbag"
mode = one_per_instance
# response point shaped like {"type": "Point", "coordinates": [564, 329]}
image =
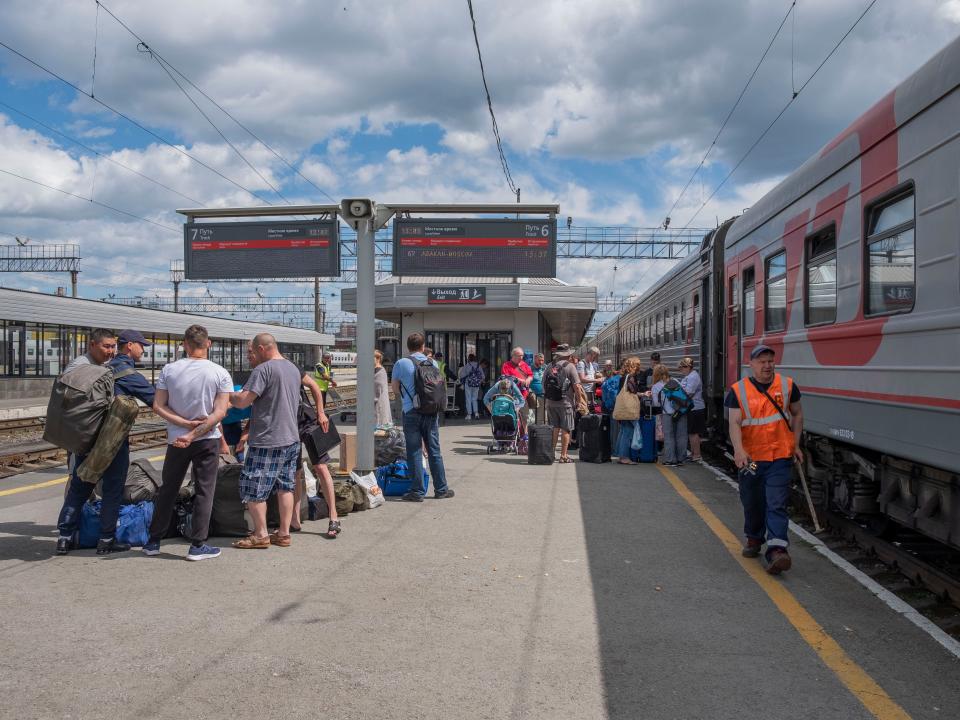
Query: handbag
{"type": "Point", "coordinates": [306, 416]}
{"type": "Point", "coordinates": [627, 406]}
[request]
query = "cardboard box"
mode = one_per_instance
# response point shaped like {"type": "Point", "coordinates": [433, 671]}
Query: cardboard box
{"type": "Point", "coordinates": [348, 452]}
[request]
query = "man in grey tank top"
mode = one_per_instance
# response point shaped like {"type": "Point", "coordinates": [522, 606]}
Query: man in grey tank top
{"type": "Point", "coordinates": [270, 464]}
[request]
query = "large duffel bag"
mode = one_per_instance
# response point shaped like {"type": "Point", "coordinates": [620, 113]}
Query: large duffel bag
{"type": "Point", "coordinates": [78, 402]}
{"type": "Point", "coordinates": [143, 481]}
{"type": "Point", "coordinates": [229, 516]}
{"type": "Point", "coordinates": [594, 438]}
{"type": "Point", "coordinates": [394, 479]}
{"type": "Point", "coordinates": [133, 524]}
{"type": "Point", "coordinates": [540, 445]}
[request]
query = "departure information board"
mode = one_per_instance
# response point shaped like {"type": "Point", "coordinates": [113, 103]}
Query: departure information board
{"type": "Point", "coordinates": [246, 250]}
{"type": "Point", "coordinates": [470, 248]}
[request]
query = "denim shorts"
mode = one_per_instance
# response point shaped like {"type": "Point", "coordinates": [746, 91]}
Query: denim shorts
{"type": "Point", "coordinates": [267, 470]}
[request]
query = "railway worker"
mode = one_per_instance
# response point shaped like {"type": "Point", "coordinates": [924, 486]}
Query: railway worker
{"type": "Point", "coordinates": [270, 464]}
{"type": "Point", "coordinates": [323, 374]}
{"type": "Point", "coordinates": [562, 391]}
{"type": "Point", "coordinates": [697, 417]}
{"type": "Point", "coordinates": [193, 395]}
{"type": "Point", "coordinates": [419, 430]}
{"type": "Point", "coordinates": [101, 349]}
{"type": "Point", "coordinates": [448, 374]}
{"type": "Point", "coordinates": [766, 420]}
{"type": "Point", "coordinates": [130, 344]}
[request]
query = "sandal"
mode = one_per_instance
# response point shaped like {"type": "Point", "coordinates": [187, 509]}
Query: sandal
{"type": "Point", "coordinates": [565, 460]}
{"type": "Point", "coordinates": [279, 540]}
{"type": "Point", "coordinates": [252, 543]}
{"type": "Point", "coordinates": [333, 529]}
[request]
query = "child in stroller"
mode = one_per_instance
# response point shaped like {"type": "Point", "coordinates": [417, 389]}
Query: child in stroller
{"type": "Point", "coordinates": [504, 401]}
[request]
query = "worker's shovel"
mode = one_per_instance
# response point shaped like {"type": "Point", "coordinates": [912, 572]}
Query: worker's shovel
{"type": "Point", "coordinates": [806, 493]}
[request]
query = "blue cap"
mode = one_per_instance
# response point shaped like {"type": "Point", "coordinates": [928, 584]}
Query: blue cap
{"type": "Point", "coordinates": [760, 350]}
{"type": "Point", "coordinates": [128, 336]}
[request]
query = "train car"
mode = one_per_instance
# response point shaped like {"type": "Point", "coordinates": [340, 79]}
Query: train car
{"type": "Point", "coordinates": [850, 269]}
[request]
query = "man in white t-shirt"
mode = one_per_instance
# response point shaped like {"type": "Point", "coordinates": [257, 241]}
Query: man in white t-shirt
{"type": "Point", "coordinates": [193, 395]}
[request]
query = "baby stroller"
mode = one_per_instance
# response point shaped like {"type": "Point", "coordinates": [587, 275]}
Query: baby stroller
{"type": "Point", "coordinates": [505, 426]}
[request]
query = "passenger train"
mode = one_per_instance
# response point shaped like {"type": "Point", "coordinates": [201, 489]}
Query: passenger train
{"type": "Point", "coordinates": [850, 270]}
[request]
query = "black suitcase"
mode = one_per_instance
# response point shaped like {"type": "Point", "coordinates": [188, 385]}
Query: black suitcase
{"type": "Point", "coordinates": [540, 445]}
{"type": "Point", "coordinates": [595, 438]}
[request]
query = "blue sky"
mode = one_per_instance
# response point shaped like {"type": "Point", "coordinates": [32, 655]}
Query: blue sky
{"type": "Point", "coordinates": [603, 107]}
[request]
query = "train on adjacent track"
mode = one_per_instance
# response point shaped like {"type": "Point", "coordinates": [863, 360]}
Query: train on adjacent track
{"type": "Point", "coordinates": [850, 270]}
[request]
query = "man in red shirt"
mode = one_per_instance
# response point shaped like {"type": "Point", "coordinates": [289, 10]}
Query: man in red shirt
{"type": "Point", "coordinates": [521, 373]}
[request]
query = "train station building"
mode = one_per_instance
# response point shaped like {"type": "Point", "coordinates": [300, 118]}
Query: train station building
{"type": "Point", "coordinates": [483, 315]}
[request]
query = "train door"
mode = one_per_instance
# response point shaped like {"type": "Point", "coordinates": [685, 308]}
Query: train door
{"type": "Point", "coordinates": [734, 330]}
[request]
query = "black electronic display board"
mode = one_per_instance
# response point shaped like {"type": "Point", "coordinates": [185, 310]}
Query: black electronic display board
{"type": "Point", "coordinates": [468, 248]}
{"type": "Point", "coordinates": [245, 250]}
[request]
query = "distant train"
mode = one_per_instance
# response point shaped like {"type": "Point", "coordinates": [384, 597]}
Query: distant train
{"type": "Point", "coordinates": [850, 269]}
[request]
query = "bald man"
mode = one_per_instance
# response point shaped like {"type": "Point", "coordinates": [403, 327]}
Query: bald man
{"type": "Point", "coordinates": [270, 464]}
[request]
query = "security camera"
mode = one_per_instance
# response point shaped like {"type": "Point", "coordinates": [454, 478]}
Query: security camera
{"type": "Point", "coordinates": [354, 210]}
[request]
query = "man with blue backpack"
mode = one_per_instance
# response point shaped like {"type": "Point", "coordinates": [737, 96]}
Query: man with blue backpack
{"type": "Point", "coordinates": [471, 377]}
{"type": "Point", "coordinates": [423, 390]}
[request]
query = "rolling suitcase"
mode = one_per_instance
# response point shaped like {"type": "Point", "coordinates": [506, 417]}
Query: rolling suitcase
{"type": "Point", "coordinates": [648, 426]}
{"type": "Point", "coordinates": [595, 438]}
{"type": "Point", "coordinates": [540, 445]}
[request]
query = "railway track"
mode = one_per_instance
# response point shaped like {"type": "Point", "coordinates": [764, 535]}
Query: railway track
{"type": "Point", "coordinates": [38, 455]}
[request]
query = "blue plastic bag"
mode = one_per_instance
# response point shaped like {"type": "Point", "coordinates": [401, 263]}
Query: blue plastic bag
{"type": "Point", "coordinates": [637, 442]}
{"type": "Point", "coordinates": [133, 525]}
{"type": "Point", "coordinates": [394, 479]}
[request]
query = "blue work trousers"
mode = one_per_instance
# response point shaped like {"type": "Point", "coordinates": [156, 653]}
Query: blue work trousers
{"type": "Point", "coordinates": [111, 488]}
{"type": "Point", "coordinates": [417, 430]}
{"type": "Point", "coordinates": [764, 494]}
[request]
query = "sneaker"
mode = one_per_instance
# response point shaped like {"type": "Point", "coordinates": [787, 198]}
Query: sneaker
{"type": "Point", "coordinates": [752, 548]}
{"type": "Point", "coordinates": [412, 497]}
{"type": "Point", "coordinates": [448, 493]}
{"type": "Point", "coordinates": [203, 552]}
{"type": "Point", "coordinates": [151, 549]}
{"type": "Point", "coordinates": [778, 561]}
{"type": "Point", "coordinates": [106, 547]}
{"type": "Point", "coordinates": [63, 545]}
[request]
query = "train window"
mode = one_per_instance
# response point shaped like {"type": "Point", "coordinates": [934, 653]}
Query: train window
{"type": "Point", "coordinates": [821, 296]}
{"type": "Point", "coordinates": [775, 312]}
{"type": "Point", "coordinates": [683, 321]}
{"type": "Point", "coordinates": [749, 302]}
{"type": "Point", "coordinates": [891, 258]}
{"type": "Point", "coordinates": [659, 328]}
{"type": "Point", "coordinates": [696, 317]}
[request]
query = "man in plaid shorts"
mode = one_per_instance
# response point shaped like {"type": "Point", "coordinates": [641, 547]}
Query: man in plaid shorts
{"type": "Point", "coordinates": [270, 465]}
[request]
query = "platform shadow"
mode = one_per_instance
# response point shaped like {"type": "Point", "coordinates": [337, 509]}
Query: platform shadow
{"type": "Point", "coordinates": [22, 541]}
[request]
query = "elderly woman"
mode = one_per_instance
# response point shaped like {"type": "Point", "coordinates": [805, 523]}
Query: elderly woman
{"type": "Point", "coordinates": [381, 391]}
{"type": "Point", "coordinates": [631, 381]}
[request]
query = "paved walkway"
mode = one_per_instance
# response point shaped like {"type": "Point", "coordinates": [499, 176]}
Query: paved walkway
{"type": "Point", "coordinates": [568, 591]}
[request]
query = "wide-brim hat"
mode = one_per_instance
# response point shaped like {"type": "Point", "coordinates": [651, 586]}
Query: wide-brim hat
{"type": "Point", "coordinates": [562, 351]}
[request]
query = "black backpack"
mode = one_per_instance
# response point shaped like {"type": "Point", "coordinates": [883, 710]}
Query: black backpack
{"type": "Point", "coordinates": [553, 381]}
{"type": "Point", "coordinates": [430, 388]}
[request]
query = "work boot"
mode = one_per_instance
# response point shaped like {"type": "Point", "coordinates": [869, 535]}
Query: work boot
{"type": "Point", "coordinates": [752, 548]}
{"type": "Point", "coordinates": [448, 493]}
{"type": "Point", "coordinates": [105, 547]}
{"type": "Point", "coordinates": [778, 561]}
{"type": "Point", "coordinates": [63, 545]}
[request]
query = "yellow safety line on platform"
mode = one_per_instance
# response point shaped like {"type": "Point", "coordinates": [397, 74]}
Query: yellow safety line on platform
{"type": "Point", "coordinates": [51, 483]}
{"type": "Point", "coordinates": [855, 678]}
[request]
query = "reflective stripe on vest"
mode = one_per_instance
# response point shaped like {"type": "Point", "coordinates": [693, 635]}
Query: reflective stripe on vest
{"type": "Point", "coordinates": [766, 436]}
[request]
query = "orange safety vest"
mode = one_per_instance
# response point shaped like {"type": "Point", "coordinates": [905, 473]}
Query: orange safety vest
{"type": "Point", "coordinates": [766, 435]}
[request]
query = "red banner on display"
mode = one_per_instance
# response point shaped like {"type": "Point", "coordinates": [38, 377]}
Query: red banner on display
{"type": "Point", "coordinates": [259, 244]}
{"type": "Point", "coordinates": [474, 242]}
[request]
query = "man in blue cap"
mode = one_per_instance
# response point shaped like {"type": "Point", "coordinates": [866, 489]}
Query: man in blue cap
{"type": "Point", "coordinates": [766, 425]}
{"type": "Point", "coordinates": [128, 381]}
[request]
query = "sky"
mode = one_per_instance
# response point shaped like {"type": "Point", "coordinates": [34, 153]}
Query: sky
{"type": "Point", "coordinates": [605, 108]}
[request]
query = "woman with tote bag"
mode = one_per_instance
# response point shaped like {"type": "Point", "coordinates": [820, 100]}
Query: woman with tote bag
{"type": "Point", "coordinates": [626, 410]}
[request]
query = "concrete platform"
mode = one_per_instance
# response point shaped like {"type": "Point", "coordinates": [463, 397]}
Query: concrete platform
{"type": "Point", "coordinates": [566, 591]}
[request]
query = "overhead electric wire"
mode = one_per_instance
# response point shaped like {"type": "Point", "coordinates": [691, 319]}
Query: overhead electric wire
{"type": "Point", "coordinates": [217, 105]}
{"type": "Point", "coordinates": [100, 154]}
{"type": "Point", "coordinates": [493, 117]}
{"type": "Point", "coordinates": [132, 122]}
{"type": "Point", "coordinates": [780, 114]}
{"type": "Point", "coordinates": [91, 200]}
{"type": "Point", "coordinates": [736, 104]}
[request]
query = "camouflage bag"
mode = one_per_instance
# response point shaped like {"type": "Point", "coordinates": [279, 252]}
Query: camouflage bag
{"type": "Point", "coordinates": [114, 431]}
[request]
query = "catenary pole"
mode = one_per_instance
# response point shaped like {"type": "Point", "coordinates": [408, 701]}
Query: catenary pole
{"type": "Point", "coordinates": [366, 421]}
